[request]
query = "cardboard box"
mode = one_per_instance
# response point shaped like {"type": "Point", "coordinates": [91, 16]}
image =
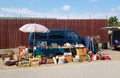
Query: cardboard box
{"type": "Point", "coordinates": [81, 51]}
{"type": "Point", "coordinates": [24, 63]}
{"type": "Point", "coordinates": [68, 59]}
{"type": "Point", "coordinates": [35, 63]}
{"type": "Point", "coordinates": [50, 60]}
{"type": "Point", "coordinates": [7, 56]}
{"type": "Point", "coordinates": [83, 58]}
{"type": "Point", "coordinates": [34, 59]}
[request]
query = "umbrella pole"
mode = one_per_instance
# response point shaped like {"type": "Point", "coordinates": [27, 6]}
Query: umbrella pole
{"type": "Point", "coordinates": [34, 43]}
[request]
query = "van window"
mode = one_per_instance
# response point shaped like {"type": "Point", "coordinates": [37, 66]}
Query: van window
{"type": "Point", "coordinates": [55, 35]}
{"type": "Point", "coordinates": [71, 35]}
{"type": "Point", "coordinates": [40, 35]}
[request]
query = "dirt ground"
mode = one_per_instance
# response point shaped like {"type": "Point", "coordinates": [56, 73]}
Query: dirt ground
{"type": "Point", "coordinates": [93, 69]}
{"type": "Point", "coordinates": [114, 54]}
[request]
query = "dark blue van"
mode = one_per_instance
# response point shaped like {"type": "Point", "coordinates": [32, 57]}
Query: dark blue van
{"type": "Point", "coordinates": [55, 36]}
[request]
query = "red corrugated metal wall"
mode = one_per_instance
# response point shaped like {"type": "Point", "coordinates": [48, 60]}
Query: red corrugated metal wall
{"type": "Point", "coordinates": [11, 37]}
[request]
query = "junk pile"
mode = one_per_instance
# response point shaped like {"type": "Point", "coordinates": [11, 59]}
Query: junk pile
{"type": "Point", "coordinates": [23, 58]}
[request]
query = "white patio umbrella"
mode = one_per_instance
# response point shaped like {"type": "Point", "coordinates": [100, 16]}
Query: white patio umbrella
{"type": "Point", "coordinates": [33, 27]}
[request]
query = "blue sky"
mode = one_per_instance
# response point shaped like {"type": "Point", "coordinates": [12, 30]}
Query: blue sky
{"type": "Point", "coordinates": [61, 9]}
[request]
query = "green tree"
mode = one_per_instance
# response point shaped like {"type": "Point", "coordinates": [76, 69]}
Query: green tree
{"type": "Point", "coordinates": [118, 24]}
{"type": "Point", "coordinates": [113, 21]}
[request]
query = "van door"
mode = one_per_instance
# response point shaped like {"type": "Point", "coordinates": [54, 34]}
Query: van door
{"type": "Point", "coordinates": [56, 37]}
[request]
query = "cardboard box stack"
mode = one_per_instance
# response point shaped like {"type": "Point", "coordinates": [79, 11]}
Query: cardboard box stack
{"type": "Point", "coordinates": [82, 54]}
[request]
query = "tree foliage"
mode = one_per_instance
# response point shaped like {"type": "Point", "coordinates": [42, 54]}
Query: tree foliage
{"type": "Point", "coordinates": [118, 24]}
{"type": "Point", "coordinates": [113, 21]}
